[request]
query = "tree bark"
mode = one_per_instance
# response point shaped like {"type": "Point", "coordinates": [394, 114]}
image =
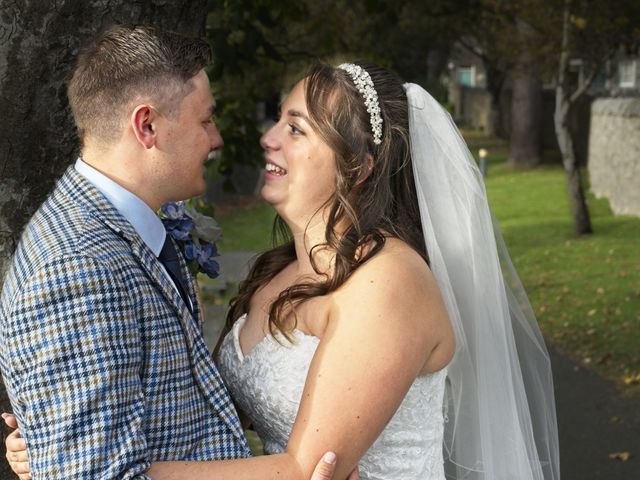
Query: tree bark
{"type": "Point", "coordinates": [39, 40]}
{"type": "Point", "coordinates": [579, 210]}
{"type": "Point", "coordinates": [495, 84]}
{"type": "Point", "coordinates": [525, 143]}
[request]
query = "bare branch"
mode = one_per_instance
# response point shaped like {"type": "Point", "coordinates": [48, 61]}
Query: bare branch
{"type": "Point", "coordinates": [587, 83]}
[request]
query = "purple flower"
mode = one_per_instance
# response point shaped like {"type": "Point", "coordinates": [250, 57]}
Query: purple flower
{"type": "Point", "coordinates": [180, 229]}
{"type": "Point", "coordinates": [195, 237]}
{"type": "Point", "coordinates": [174, 210]}
{"type": "Point", "coordinates": [203, 254]}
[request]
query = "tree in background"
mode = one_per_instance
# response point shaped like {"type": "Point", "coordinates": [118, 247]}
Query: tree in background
{"type": "Point", "coordinates": [527, 40]}
{"type": "Point", "coordinates": [503, 35]}
{"type": "Point", "coordinates": [592, 31]}
{"type": "Point", "coordinates": [262, 46]}
{"type": "Point", "coordinates": [39, 40]}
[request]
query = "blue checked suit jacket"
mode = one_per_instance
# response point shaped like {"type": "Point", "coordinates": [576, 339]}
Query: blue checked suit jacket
{"type": "Point", "coordinates": [105, 367]}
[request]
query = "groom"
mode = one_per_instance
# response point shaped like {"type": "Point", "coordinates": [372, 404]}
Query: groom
{"type": "Point", "coordinates": [101, 344]}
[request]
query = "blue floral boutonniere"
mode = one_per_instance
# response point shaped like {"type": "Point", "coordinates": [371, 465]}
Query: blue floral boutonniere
{"type": "Point", "coordinates": [195, 234]}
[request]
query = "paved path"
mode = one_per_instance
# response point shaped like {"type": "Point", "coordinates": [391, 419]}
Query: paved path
{"type": "Point", "coordinates": [594, 420]}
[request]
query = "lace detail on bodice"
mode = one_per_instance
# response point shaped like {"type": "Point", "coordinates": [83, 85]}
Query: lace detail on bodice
{"type": "Point", "coordinates": [267, 384]}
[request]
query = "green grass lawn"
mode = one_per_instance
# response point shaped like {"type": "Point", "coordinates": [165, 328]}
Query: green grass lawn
{"type": "Point", "coordinates": [585, 291]}
{"type": "Point", "coordinates": [246, 228]}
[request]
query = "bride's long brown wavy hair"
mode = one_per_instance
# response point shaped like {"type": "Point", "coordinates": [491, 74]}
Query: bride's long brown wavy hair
{"type": "Point", "coordinates": [374, 198]}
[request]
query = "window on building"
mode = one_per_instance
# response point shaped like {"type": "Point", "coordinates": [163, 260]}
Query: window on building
{"type": "Point", "coordinates": [627, 73]}
{"type": "Point", "coordinates": [466, 76]}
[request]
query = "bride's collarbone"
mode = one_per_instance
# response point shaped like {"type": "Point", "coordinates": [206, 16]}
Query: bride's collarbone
{"type": "Point", "coordinates": [310, 317]}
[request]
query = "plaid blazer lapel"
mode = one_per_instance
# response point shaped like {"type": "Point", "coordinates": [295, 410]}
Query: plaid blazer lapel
{"type": "Point", "coordinates": [80, 190]}
{"type": "Point", "coordinates": [205, 368]}
{"type": "Point", "coordinates": [206, 374]}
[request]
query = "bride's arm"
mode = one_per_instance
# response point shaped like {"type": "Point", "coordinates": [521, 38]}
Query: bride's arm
{"type": "Point", "coordinates": [382, 329]}
{"type": "Point", "coordinates": [19, 463]}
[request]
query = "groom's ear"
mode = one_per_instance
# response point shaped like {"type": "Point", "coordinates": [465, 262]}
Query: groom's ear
{"type": "Point", "coordinates": [143, 123]}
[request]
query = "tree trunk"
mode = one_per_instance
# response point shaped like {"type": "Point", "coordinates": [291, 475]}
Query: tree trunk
{"type": "Point", "coordinates": [39, 40]}
{"type": "Point", "coordinates": [495, 82]}
{"type": "Point", "coordinates": [579, 210]}
{"type": "Point", "coordinates": [525, 143]}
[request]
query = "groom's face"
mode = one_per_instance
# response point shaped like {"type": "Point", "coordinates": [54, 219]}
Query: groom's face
{"type": "Point", "coordinates": [188, 139]}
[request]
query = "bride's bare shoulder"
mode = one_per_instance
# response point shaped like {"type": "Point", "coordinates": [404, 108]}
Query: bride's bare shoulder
{"type": "Point", "coordinates": [396, 271]}
{"type": "Point", "coordinates": [398, 258]}
{"type": "Point", "coordinates": [394, 297]}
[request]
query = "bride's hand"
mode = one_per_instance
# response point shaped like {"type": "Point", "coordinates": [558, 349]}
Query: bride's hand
{"type": "Point", "coordinates": [16, 449]}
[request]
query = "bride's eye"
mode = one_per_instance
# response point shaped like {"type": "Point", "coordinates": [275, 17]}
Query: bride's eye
{"type": "Point", "coordinates": [294, 130]}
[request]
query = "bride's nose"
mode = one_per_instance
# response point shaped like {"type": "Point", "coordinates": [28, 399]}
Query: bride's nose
{"type": "Point", "coordinates": [268, 141]}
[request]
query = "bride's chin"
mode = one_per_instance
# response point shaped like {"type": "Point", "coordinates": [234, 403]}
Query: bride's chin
{"type": "Point", "coordinates": [269, 196]}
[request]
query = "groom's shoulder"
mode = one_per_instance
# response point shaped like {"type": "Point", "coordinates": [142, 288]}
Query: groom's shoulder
{"type": "Point", "coordinates": [61, 228]}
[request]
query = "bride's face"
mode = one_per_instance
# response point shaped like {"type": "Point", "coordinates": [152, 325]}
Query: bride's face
{"type": "Point", "coordinates": [300, 168]}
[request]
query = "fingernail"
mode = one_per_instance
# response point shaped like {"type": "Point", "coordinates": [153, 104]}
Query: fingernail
{"type": "Point", "coordinates": [329, 458]}
{"type": "Point", "coordinates": [5, 415]}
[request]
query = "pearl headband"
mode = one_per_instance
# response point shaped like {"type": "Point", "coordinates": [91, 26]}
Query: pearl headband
{"type": "Point", "coordinates": [364, 84]}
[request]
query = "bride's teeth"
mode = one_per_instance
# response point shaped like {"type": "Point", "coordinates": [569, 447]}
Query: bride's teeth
{"type": "Point", "coordinates": [275, 169]}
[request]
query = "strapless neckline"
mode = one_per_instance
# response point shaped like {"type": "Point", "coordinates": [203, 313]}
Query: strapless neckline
{"type": "Point", "coordinates": [268, 382]}
{"type": "Point", "coordinates": [296, 333]}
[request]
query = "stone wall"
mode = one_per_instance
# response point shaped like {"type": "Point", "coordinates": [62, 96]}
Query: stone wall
{"type": "Point", "coordinates": [614, 153]}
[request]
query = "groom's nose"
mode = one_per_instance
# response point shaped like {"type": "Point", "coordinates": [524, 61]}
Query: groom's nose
{"type": "Point", "coordinates": [215, 139]}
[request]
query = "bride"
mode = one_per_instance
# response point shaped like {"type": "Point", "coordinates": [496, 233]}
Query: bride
{"type": "Point", "coordinates": [390, 326]}
{"type": "Point", "coordinates": [341, 337]}
{"type": "Point", "coordinates": [343, 325]}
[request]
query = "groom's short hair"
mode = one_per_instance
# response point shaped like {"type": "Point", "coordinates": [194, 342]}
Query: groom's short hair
{"type": "Point", "coordinates": [125, 65]}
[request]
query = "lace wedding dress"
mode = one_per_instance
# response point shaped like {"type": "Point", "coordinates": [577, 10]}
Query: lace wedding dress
{"type": "Point", "coordinates": [267, 385]}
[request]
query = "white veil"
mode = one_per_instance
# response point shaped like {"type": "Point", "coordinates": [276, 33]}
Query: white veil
{"type": "Point", "coordinates": [500, 421]}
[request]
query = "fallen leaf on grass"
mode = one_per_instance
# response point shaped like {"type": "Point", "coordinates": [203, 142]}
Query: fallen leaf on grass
{"type": "Point", "coordinates": [622, 456]}
{"type": "Point", "coordinates": [631, 379]}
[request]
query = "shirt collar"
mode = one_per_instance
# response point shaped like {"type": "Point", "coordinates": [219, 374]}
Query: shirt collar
{"type": "Point", "coordinates": [139, 214]}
